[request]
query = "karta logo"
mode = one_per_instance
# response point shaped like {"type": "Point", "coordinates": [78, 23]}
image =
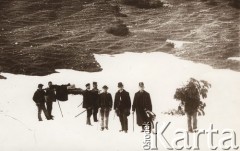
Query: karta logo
{"type": "Point", "coordinates": [180, 141]}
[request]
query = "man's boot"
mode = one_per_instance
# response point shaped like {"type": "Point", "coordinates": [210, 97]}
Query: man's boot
{"type": "Point", "coordinates": [143, 129]}
{"type": "Point", "coordinates": [88, 121]}
{"type": "Point", "coordinates": [95, 118]}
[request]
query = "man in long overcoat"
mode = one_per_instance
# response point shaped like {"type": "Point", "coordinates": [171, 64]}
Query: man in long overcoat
{"type": "Point", "coordinates": [141, 104]}
{"type": "Point", "coordinates": [122, 106]}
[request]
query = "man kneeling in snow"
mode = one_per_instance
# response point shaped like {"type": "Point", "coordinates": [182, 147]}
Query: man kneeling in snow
{"type": "Point", "coordinates": [39, 99]}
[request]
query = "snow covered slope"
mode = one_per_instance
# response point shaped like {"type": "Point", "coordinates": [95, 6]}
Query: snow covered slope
{"type": "Point", "coordinates": [161, 73]}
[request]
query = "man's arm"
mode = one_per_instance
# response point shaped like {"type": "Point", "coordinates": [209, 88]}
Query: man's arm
{"type": "Point", "coordinates": [149, 104]}
{"type": "Point", "coordinates": [129, 101]}
{"type": "Point", "coordinates": [35, 97]}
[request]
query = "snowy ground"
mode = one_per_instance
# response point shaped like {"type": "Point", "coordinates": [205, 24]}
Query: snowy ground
{"type": "Point", "coordinates": [161, 73]}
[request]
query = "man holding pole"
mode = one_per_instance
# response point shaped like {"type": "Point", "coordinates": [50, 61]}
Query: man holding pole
{"type": "Point", "coordinates": [142, 104]}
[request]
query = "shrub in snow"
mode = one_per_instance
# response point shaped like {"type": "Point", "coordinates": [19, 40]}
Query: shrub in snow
{"type": "Point", "coordinates": [118, 29]}
{"type": "Point", "coordinates": [174, 112]}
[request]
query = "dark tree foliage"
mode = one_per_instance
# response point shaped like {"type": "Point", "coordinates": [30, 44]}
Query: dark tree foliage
{"type": "Point", "coordinates": [193, 91]}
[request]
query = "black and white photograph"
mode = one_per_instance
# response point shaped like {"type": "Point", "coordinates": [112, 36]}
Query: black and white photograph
{"type": "Point", "coordinates": [119, 75]}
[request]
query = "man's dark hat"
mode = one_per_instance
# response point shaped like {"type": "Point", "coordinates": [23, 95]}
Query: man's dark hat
{"type": "Point", "coordinates": [141, 84]}
{"type": "Point", "coordinates": [120, 84]}
{"type": "Point", "coordinates": [40, 85]}
{"type": "Point", "coordinates": [94, 83]}
{"type": "Point", "coordinates": [105, 87]}
{"type": "Point", "coordinates": [88, 84]}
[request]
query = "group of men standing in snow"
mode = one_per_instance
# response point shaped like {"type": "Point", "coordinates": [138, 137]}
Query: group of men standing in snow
{"type": "Point", "coordinates": [94, 101]}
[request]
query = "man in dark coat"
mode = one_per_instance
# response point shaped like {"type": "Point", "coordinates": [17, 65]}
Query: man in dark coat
{"type": "Point", "coordinates": [141, 104]}
{"type": "Point", "coordinates": [95, 93]}
{"type": "Point", "coordinates": [105, 104]}
{"type": "Point", "coordinates": [39, 99]}
{"type": "Point", "coordinates": [50, 98]}
{"type": "Point", "coordinates": [88, 102]}
{"type": "Point", "coordinates": [122, 106]}
{"type": "Point", "coordinates": [191, 109]}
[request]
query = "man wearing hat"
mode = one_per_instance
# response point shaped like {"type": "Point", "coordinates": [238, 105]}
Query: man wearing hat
{"type": "Point", "coordinates": [95, 93]}
{"type": "Point", "coordinates": [122, 106]}
{"type": "Point", "coordinates": [141, 104]}
{"type": "Point", "coordinates": [105, 104]}
{"type": "Point", "coordinates": [88, 102]}
{"type": "Point", "coordinates": [39, 99]}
